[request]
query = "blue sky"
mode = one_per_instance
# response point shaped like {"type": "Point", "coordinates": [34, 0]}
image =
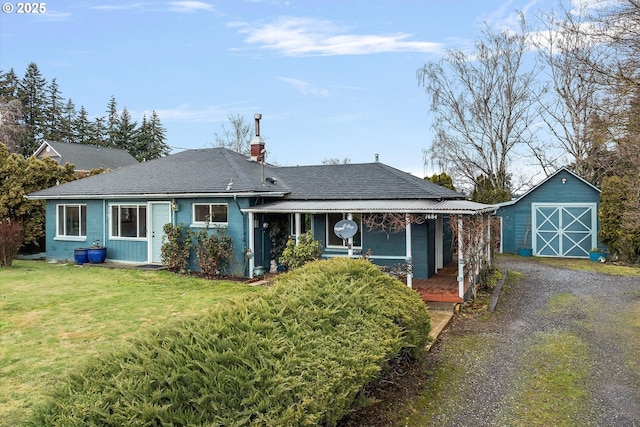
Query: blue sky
{"type": "Point", "coordinates": [332, 79]}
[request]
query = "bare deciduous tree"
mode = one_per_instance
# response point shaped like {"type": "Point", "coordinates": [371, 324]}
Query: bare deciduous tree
{"type": "Point", "coordinates": [573, 109]}
{"type": "Point", "coordinates": [482, 105]}
{"type": "Point", "coordinates": [236, 137]}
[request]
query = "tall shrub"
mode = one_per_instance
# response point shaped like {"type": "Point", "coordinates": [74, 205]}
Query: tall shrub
{"type": "Point", "coordinates": [298, 355]}
{"type": "Point", "coordinates": [305, 250]}
{"type": "Point", "coordinates": [175, 248]}
{"type": "Point", "coordinates": [10, 240]}
{"type": "Point", "coordinates": [213, 250]}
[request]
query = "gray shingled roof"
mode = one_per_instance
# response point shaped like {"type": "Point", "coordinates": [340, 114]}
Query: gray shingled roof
{"type": "Point", "coordinates": [366, 181]}
{"type": "Point", "coordinates": [87, 157]}
{"type": "Point", "coordinates": [206, 171]}
{"type": "Point", "coordinates": [221, 171]}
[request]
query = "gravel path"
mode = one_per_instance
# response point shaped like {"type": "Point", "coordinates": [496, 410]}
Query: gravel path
{"type": "Point", "coordinates": [594, 310]}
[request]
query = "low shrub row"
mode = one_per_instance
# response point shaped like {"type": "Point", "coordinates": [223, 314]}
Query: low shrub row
{"type": "Point", "coordinates": [297, 355]}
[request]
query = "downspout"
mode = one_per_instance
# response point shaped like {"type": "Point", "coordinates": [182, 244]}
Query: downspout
{"type": "Point", "coordinates": [104, 225]}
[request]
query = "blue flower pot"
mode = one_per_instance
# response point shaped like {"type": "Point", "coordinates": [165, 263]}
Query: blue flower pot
{"type": "Point", "coordinates": [596, 256]}
{"type": "Point", "coordinates": [97, 255]}
{"type": "Point", "coordinates": [80, 256]}
{"type": "Point", "coordinates": [525, 252]}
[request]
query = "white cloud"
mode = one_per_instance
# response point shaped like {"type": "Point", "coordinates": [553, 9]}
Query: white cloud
{"type": "Point", "coordinates": [305, 88]}
{"type": "Point", "coordinates": [190, 6]}
{"type": "Point", "coordinates": [181, 6]}
{"type": "Point", "coordinates": [186, 113]}
{"type": "Point", "coordinates": [293, 36]}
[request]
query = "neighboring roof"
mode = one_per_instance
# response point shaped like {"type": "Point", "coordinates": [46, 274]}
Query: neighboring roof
{"type": "Point", "coordinates": [540, 184]}
{"type": "Point", "coordinates": [213, 171]}
{"type": "Point", "coordinates": [85, 157]}
{"type": "Point", "coordinates": [365, 181]}
{"type": "Point", "coordinates": [461, 207]}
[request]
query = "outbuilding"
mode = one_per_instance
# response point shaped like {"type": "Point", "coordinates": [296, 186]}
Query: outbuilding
{"type": "Point", "coordinates": [556, 218]}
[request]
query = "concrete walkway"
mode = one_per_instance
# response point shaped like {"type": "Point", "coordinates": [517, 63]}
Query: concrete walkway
{"type": "Point", "coordinates": [441, 315]}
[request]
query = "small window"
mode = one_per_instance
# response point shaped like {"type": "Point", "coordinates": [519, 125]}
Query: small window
{"type": "Point", "coordinates": [129, 221]}
{"type": "Point", "coordinates": [215, 214]}
{"type": "Point", "coordinates": [72, 221]}
{"type": "Point", "coordinates": [333, 240]}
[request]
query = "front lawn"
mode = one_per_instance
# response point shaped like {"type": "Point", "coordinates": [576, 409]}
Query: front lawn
{"type": "Point", "coordinates": [53, 317]}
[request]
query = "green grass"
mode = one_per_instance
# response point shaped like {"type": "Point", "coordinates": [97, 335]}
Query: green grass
{"type": "Point", "coordinates": [54, 317]}
{"type": "Point", "coordinates": [587, 265]}
{"type": "Point", "coordinates": [553, 389]}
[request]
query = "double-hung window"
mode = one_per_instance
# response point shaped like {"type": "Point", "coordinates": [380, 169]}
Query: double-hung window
{"type": "Point", "coordinates": [129, 221]}
{"type": "Point", "coordinates": [71, 221]}
{"type": "Point", "coordinates": [335, 241]}
{"type": "Point", "coordinates": [210, 214]}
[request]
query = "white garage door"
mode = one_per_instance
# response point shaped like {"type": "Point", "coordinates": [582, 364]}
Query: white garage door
{"type": "Point", "coordinates": [564, 230]}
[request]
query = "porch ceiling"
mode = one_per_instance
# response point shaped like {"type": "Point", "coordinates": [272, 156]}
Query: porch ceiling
{"type": "Point", "coordinates": [459, 207]}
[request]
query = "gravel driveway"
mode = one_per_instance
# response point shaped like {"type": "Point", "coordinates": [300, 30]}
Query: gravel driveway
{"type": "Point", "coordinates": [584, 304]}
{"type": "Point", "coordinates": [480, 369]}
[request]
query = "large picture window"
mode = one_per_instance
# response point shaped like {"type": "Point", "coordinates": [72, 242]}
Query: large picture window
{"type": "Point", "coordinates": [333, 240]}
{"type": "Point", "coordinates": [72, 221]}
{"type": "Point", "coordinates": [129, 221]}
{"type": "Point", "coordinates": [211, 213]}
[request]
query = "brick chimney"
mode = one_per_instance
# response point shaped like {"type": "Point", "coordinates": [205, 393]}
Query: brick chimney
{"type": "Point", "coordinates": [257, 143]}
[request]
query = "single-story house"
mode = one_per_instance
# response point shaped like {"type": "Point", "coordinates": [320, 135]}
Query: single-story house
{"type": "Point", "coordinates": [556, 218]}
{"type": "Point", "coordinates": [257, 204]}
{"type": "Point", "coordinates": [83, 157]}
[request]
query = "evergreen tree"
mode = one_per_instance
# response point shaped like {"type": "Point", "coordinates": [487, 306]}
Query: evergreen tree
{"type": "Point", "coordinates": [53, 112]}
{"type": "Point", "coordinates": [442, 180]}
{"type": "Point", "coordinates": [82, 127]}
{"type": "Point", "coordinates": [157, 146]}
{"type": "Point", "coordinates": [32, 94]}
{"type": "Point", "coordinates": [113, 123]}
{"type": "Point", "coordinates": [98, 132]}
{"type": "Point", "coordinates": [11, 126]}
{"type": "Point", "coordinates": [126, 136]}
{"type": "Point", "coordinates": [9, 84]}
{"type": "Point", "coordinates": [68, 122]}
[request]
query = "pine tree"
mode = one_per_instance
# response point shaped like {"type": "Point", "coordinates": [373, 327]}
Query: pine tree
{"type": "Point", "coordinates": [32, 94]}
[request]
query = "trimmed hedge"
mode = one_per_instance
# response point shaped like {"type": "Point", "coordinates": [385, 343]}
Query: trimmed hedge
{"type": "Point", "coordinates": [297, 355]}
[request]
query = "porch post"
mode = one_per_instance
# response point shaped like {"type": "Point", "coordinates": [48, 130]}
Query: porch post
{"type": "Point", "coordinates": [251, 245]}
{"type": "Point", "coordinates": [350, 239]}
{"type": "Point", "coordinates": [409, 257]}
{"type": "Point", "coordinates": [298, 226]}
{"type": "Point", "coordinates": [488, 239]}
{"type": "Point", "coordinates": [460, 260]}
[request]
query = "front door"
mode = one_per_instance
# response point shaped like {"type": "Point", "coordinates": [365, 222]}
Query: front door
{"type": "Point", "coordinates": [160, 215]}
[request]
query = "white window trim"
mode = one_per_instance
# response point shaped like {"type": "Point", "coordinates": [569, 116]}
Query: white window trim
{"type": "Point", "coordinates": [204, 224]}
{"type": "Point", "coordinates": [64, 237]}
{"type": "Point", "coordinates": [130, 205]}
{"type": "Point", "coordinates": [344, 244]}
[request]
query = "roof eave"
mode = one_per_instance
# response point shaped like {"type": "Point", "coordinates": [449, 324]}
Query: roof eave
{"type": "Point", "coordinates": [154, 195]}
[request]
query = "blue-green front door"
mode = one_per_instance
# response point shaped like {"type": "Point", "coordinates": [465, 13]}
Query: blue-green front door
{"type": "Point", "coordinates": [160, 215]}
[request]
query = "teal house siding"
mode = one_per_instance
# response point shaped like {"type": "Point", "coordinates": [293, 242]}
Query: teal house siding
{"type": "Point", "coordinates": [557, 218]}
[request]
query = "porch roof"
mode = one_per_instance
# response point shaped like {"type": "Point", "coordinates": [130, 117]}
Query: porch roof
{"type": "Point", "coordinates": [459, 207]}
